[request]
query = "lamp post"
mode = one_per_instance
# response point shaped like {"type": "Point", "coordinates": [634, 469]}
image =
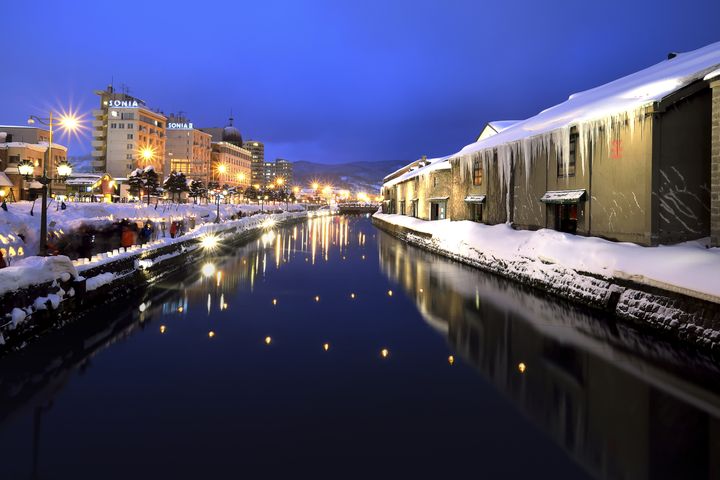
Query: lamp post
{"type": "Point", "coordinates": [27, 169]}
{"type": "Point", "coordinates": [217, 203]}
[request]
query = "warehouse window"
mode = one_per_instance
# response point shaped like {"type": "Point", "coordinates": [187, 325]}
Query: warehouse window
{"type": "Point", "coordinates": [477, 172]}
{"type": "Point", "coordinates": [572, 160]}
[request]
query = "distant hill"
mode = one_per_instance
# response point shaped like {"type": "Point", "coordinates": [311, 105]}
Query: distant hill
{"type": "Point", "coordinates": [81, 163]}
{"type": "Point", "coordinates": [356, 176]}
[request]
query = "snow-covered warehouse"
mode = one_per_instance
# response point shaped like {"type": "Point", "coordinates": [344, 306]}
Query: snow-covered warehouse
{"type": "Point", "coordinates": [630, 160]}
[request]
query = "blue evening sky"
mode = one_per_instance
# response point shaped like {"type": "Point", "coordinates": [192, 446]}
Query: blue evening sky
{"type": "Point", "coordinates": [335, 81]}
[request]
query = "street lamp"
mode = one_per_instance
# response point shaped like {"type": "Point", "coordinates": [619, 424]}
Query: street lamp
{"type": "Point", "coordinates": [67, 123]}
{"type": "Point", "coordinates": [217, 202]}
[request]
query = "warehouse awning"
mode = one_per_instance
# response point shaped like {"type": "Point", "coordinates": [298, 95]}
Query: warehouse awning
{"type": "Point", "coordinates": [437, 199]}
{"type": "Point", "coordinates": [563, 197]}
{"type": "Point", "coordinates": [475, 199]}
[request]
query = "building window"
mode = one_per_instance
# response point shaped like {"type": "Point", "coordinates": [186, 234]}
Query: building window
{"type": "Point", "coordinates": [130, 125]}
{"type": "Point", "coordinates": [127, 116]}
{"type": "Point", "coordinates": [402, 207]}
{"type": "Point", "coordinates": [129, 136]}
{"type": "Point", "coordinates": [477, 172]}
{"type": "Point", "coordinates": [129, 156]}
{"type": "Point", "coordinates": [561, 168]}
{"type": "Point", "coordinates": [113, 125]}
{"type": "Point", "coordinates": [414, 208]}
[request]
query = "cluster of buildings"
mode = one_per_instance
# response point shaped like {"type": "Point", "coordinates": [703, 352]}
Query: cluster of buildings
{"type": "Point", "coordinates": [126, 135]}
{"type": "Point", "coordinates": [637, 160]}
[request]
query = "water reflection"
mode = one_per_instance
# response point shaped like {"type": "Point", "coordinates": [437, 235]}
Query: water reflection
{"type": "Point", "coordinates": [623, 405]}
{"type": "Point", "coordinates": [247, 352]}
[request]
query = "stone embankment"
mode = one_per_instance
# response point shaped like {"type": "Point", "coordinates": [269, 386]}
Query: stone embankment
{"type": "Point", "coordinates": [691, 319]}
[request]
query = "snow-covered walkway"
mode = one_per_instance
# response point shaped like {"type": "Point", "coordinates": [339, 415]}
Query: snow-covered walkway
{"type": "Point", "coordinates": [690, 268]}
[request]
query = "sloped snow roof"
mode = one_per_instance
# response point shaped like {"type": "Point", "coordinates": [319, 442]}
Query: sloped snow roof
{"type": "Point", "coordinates": [432, 165]}
{"type": "Point", "coordinates": [5, 181]}
{"type": "Point", "coordinates": [500, 125]}
{"type": "Point", "coordinates": [622, 95]}
{"type": "Point", "coordinates": [495, 127]}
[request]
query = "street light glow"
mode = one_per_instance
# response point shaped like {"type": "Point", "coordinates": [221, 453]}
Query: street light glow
{"type": "Point", "coordinates": [147, 153]}
{"type": "Point", "coordinates": [69, 122]}
{"type": "Point", "coordinates": [222, 168]}
{"type": "Point", "coordinates": [209, 242]}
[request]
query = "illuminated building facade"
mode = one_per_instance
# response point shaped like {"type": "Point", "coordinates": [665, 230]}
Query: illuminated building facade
{"type": "Point", "coordinates": [188, 149]}
{"type": "Point", "coordinates": [127, 135]}
{"type": "Point", "coordinates": [230, 161]}
{"type": "Point", "coordinates": [257, 152]}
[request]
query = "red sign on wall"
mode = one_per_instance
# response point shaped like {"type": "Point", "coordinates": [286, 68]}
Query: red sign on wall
{"type": "Point", "coordinates": [616, 149]}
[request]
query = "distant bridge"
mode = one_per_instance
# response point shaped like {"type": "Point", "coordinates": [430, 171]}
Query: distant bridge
{"type": "Point", "coordinates": [357, 207]}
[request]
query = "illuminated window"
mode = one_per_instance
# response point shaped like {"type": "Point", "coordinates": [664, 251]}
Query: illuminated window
{"type": "Point", "coordinates": [477, 172]}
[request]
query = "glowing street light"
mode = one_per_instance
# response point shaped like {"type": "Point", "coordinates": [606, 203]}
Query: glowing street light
{"type": "Point", "coordinates": [147, 153]}
{"type": "Point", "coordinates": [67, 123]}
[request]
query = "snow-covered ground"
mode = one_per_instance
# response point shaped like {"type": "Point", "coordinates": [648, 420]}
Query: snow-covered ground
{"type": "Point", "coordinates": [689, 268]}
{"type": "Point", "coordinates": [17, 223]}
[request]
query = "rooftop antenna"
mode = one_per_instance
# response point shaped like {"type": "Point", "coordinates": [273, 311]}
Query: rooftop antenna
{"type": "Point", "coordinates": [231, 118]}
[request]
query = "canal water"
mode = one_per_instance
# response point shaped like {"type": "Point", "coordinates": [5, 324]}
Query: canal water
{"type": "Point", "coordinates": [328, 349]}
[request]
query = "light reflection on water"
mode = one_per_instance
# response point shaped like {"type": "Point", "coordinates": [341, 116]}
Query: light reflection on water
{"type": "Point", "coordinates": [622, 404]}
{"type": "Point", "coordinates": [411, 364]}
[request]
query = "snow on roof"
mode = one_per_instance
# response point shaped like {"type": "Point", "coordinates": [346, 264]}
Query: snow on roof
{"type": "Point", "coordinates": [712, 75]}
{"type": "Point", "coordinates": [495, 127]}
{"type": "Point", "coordinates": [563, 196]}
{"type": "Point", "coordinates": [31, 146]}
{"type": "Point", "coordinates": [500, 125]}
{"type": "Point", "coordinates": [5, 181]}
{"type": "Point", "coordinates": [431, 165]}
{"type": "Point", "coordinates": [622, 95]}
{"type": "Point", "coordinates": [39, 147]}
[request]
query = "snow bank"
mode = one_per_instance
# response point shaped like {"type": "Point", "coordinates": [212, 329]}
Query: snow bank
{"type": "Point", "coordinates": [689, 267]}
{"type": "Point", "coordinates": [20, 231]}
{"type": "Point", "coordinates": [36, 270]}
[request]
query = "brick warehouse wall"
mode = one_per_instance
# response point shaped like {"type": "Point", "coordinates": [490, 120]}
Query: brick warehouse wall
{"type": "Point", "coordinates": [715, 167]}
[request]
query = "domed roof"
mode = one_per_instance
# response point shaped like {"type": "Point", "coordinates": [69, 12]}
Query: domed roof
{"type": "Point", "coordinates": [232, 135]}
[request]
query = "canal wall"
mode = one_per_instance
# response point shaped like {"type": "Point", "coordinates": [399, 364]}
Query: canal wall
{"type": "Point", "coordinates": [66, 290]}
{"type": "Point", "coordinates": [691, 318]}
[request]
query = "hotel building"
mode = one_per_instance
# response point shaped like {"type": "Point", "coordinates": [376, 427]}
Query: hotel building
{"type": "Point", "coordinates": [230, 161]}
{"type": "Point", "coordinates": [257, 150]}
{"type": "Point", "coordinates": [126, 135]}
{"type": "Point", "coordinates": [284, 170]}
{"type": "Point", "coordinates": [188, 149]}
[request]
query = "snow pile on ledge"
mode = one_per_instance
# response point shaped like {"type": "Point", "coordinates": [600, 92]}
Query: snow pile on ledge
{"type": "Point", "coordinates": [689, 267]}
{"type": "Point", "coordinates": [36, 270]}
{"type": "Point", "coordinates": [18, 221]}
